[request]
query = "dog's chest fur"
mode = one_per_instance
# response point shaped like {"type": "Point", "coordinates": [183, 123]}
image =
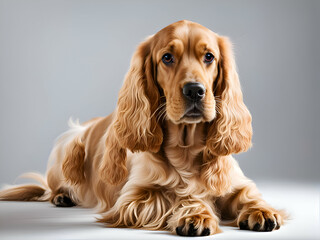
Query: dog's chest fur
{"type": "Point", "coordinates": [178, 166]}
{"type": "Point", "coordinates": [183, 148]}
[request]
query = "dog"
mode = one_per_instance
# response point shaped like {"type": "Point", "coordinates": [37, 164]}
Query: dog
{"type": "Point", "coordinates": [163, 159]}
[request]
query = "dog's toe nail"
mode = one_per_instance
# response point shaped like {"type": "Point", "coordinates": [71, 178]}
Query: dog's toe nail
{"type": "Point", "coordinates": [205, 232]}
{"type": "Point", "coordinates": [256, 227]}
{"type": "Point", "coordinates": [269, 225]}
{"type": "Point", "coordinates": [179, 231]}
{"type": "Point", "coordinates": [244, 225]}
{"type": "Point", "coordinates": [192, 231]}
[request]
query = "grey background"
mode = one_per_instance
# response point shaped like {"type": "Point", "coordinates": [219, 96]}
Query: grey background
{"type": "Point", "coordinates": [68, 58]}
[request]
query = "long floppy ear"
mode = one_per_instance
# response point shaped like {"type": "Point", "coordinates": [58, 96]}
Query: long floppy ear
{"type": "Point", "coordinates": [231, 131]}
{"type": "Point", "coordinates": [135, 126]}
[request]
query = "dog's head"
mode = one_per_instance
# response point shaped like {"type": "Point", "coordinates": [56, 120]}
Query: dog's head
{"type": "Point", "coordinates": [186, 56]}
{"type": "Point", "coordinates": [187, 74]}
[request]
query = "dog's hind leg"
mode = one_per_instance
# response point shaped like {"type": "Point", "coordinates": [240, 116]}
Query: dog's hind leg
{"type": "Point", "coordinates": [67, 174]}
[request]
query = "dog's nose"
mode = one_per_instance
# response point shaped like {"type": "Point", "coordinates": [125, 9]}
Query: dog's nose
{"type": "Point", "coordinates": [194, 91]}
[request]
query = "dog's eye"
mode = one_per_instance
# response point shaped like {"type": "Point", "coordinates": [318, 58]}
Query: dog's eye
{"type": "Point", "coordinates": [208, 58]}
{"type": "Point", "coordinates": [167, 58]}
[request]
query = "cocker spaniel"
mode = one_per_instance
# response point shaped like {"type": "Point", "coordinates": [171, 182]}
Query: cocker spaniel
{"type": "Point", "coordinates": [163, 158]}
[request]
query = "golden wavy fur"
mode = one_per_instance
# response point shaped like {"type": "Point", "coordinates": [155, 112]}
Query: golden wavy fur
{"type": "Point", "coordinates": [154, 163]}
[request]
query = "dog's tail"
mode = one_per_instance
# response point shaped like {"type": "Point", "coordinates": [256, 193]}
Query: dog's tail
{"type": "Point", "coordinates": [27, 192]}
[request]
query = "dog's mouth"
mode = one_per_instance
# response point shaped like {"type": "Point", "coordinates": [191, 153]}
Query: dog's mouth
{"type": "Point", "coordinates": [193, 113]}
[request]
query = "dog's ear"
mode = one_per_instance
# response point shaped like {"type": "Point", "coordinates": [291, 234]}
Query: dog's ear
{"type": "Point", "coordinates": [135, 126]}
{"type": "Point", "coordinates": [231, 131]}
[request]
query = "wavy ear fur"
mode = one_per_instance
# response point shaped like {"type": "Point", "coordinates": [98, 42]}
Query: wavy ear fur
{"type": "Point", "coordinates": [135, 126]}
{"type": "Point", "coordinates": [231, 131]}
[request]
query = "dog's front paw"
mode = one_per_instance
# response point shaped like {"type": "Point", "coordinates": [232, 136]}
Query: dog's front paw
{"type": "Point", "coordinates": [197, 226]}
{"type": "Point", "coordinates": [193, 218]}
{"type": "Point", "coordinates": [261, 219]}
{"type": "Point", "coordinates": [190, 227]}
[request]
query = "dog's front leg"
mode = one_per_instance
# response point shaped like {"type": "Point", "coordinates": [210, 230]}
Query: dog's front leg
{"type": "Point", "coordinates": [139, 206]}
{"type": "Point", "coordinates": [193, 217]}
{"type": "Point", "coordinates": [249, 211]}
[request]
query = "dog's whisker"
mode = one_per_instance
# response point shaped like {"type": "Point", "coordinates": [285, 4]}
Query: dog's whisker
{"type": "Point", "coordinates": [159, 108]}
{"type": "Point", "coordinates": [161, 114]}
{"type": "Point", "coordinates": [218, 109]}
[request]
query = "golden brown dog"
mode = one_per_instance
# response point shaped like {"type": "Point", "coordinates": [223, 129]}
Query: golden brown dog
{"type": "Point", "coordinates": [163, 159]}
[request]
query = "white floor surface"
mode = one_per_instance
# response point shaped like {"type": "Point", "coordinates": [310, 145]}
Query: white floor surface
{"type": "Point", "coordinates": [37, 220]}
